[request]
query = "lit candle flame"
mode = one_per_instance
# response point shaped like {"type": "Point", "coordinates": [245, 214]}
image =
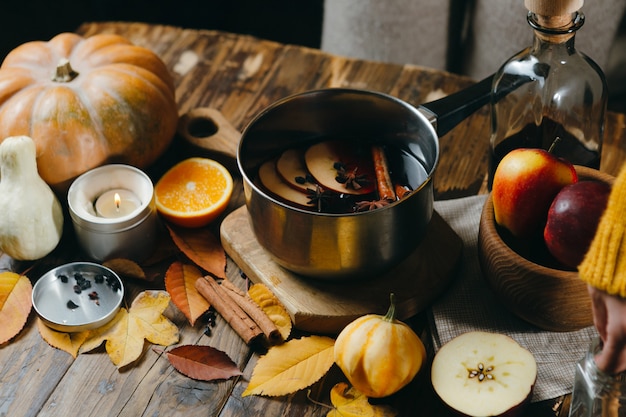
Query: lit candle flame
{"type": "Point", "coordinates": [118, 200]}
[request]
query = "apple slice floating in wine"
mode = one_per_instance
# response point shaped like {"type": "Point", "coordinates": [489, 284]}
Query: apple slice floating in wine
{"type": "Point", "coordinates": [274, 184]}
{"type": "Point", "coordinates": [290, 166]}
{"type": "Point", "coordinates": [484, 374]}
{"type": "Point", "coordinates": [342, 168]}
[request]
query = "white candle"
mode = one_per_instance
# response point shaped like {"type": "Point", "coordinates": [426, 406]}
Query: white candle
{"type": "Point", "coordinates": [116, 203]}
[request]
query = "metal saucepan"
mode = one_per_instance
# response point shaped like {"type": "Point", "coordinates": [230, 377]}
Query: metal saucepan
{"type": "Point", "coordinates": [341, 246]}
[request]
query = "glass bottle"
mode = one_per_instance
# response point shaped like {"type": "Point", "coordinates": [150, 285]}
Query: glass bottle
{"type": "Point", "coordinates": [549, 90]}
{"type": "Point", "coordinates": [595, 392]}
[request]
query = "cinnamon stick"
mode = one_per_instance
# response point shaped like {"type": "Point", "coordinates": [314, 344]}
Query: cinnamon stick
{"type": "Point", "coordinates": [217, 296]}
{"type": "Point", "coordinates": [383, 179]}
{"type": "Point", "coordinates": [253, 310]}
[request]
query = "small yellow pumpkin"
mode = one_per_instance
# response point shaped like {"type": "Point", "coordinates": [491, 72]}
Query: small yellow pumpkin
{"type": "Point", "coordinates": [379, 354]}
{"type": "Point", "coordinates": [86, 102]}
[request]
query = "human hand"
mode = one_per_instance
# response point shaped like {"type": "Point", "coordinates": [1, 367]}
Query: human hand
{"type": "Point", "coordinates": [609, 317]}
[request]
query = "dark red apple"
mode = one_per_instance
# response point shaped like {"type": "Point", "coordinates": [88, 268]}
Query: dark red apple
{"type": "Point", "coordinates": [573, 219]}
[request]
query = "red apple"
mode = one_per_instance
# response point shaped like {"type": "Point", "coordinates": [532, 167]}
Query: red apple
{"type": "Point", "coordinates": [524, 185]}
{"type": "Point", "coordinates": [484, 374]}
{"type": "Point", "coordinates": [573, 219]}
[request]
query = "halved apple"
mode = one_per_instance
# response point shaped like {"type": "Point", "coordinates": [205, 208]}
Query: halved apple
{"type": "Point", "coordinates": [290, 166]}
{"type": "Point", "coordinates": [484, 374]}
{"type": "Point", "coordinates": [274, 184]}
{"type": "Point", "coordinates": [339, 167]}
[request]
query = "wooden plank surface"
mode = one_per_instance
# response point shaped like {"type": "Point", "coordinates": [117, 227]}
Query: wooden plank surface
{"type": "Point", "coordinates": [239, 76]}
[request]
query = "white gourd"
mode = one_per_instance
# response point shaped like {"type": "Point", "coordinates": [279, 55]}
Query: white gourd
{"type": "Point", "coordinates": [31, 216]}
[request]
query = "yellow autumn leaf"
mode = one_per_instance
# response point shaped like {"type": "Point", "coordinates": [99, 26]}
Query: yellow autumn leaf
{"type": "Point", "coordinates": [268, 302]}
{"type": "Point", "coordinates": [68, 342]}
{"type": "Point", "coordinates": [292, 366]}
{"type": "Point", "coordinates": [125, 334]}
{"type": "Point", "coordinates": [350, 402]}
{"type": "Point", "coordinates": [15, 304]}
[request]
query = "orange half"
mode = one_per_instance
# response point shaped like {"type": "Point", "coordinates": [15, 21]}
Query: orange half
{"type": "Point", "coordinates": [193, 192]}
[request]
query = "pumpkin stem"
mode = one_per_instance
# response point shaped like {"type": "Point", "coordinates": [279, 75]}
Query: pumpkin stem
{"type": "Point", "coordinates": [64, 72]}
{"type": "Point", "coordinates": [391, 313]}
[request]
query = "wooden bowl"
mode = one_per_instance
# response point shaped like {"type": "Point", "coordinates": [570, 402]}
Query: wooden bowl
{"type": "Point", "coordinates": [549, 297]}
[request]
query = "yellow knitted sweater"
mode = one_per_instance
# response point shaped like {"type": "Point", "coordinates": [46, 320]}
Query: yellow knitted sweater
{"type": "Point", "coordinates": [604, 265]}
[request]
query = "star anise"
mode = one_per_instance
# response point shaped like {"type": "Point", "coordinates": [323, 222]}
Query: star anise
{"type": "Point", "coordinates": [371, 204]}
{"type": "Point", "coordinates": [349, 178]}
{"type": "Point", "coordinates": [318, 197]}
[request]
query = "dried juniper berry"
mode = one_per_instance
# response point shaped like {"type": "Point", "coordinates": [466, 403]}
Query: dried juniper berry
{"type": "Point", "coordinates": [99, 278]}
{"type": "Point", "coordinates": [72, 305]}
{"type": "Point", "coordinates": [94, 297]}
{"type": "Point", "coordinates": [64, 279]}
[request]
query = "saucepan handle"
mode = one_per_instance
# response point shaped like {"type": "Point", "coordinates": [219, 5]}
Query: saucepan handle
{"type": "Point", "coordinates": [447, 112]}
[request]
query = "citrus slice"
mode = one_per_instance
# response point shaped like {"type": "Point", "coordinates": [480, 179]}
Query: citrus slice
{"type": "Point", "coordinates": [193, 192]}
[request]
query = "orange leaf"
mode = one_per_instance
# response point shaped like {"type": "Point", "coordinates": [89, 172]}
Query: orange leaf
{"type": "Point", "coordinates": [349, 402]}
{"type": "Point", "coordinates": [292, 366]}
{"type": "Point", "coordinates": [204, 363]}
{"type": "Point", "coordinates": [272, 306]}
{"type": "Point", "coordinates": [15, 304]}
{"type": "Point", "coordinates": [68, 342]}
{"type": "Point", "coordinates": [125, 334]}
{"type": "Point", "coordinates": [202, 247]}
{"type": "Point", "coordinates": [180, 283]}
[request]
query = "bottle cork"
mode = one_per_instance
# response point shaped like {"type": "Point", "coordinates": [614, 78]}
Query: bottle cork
{"type": "Point", "coordinates": [553, 7]}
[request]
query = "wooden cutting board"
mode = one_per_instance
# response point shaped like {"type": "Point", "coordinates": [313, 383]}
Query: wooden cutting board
{"type": "Point", "coordinates": [321, 306]}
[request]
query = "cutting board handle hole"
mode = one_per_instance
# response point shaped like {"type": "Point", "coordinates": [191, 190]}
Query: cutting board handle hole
{"type": "Point", "coordinates": [206, 128]}
{"type": "Point", "coordinates": [202, 127]}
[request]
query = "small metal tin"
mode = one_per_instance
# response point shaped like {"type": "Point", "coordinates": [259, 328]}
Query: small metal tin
{"type": "Point", "coordinates": [132, 236]}
{"type": "Point", "coordinates": [78, 296]}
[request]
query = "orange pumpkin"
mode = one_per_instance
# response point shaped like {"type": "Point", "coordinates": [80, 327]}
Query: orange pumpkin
{"type": "Point", "coordinates": [87, 102]}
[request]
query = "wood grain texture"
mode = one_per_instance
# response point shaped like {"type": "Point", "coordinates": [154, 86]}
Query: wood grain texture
{"type": "Point", "coordinates": [551, 299]}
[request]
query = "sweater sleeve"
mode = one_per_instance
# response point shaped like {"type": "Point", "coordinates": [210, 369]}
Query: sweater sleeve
{"type": "Point", "coordinates": [604, 265]}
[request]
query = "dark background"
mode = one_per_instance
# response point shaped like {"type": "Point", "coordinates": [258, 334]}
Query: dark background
{"type": "Point", "coordinates": [287, 21]}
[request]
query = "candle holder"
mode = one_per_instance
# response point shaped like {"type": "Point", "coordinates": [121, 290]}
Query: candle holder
{"type": "Point", "coordinates": [117, 232]}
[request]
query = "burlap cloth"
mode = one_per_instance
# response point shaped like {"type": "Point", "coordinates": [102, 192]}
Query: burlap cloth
{"type": "Point", "coordinates": [470, 305]}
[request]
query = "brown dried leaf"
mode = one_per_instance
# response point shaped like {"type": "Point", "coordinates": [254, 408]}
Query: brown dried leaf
{"type": "Point", "coordinates": [204, 363]}
{"type": "Point", "coordinates": [180, 283]}
{"type": "Point", "coordinates": [125, 334]}
{"type": "Point", "coordinates": [125, 268]}
{"type": "Point", "coordinates": [292, 366]}
{"type": "Point", "coordinates": [350, 402]}
{"type": "Point", "coordinates": [202, 247]}
{"type": "Point", "coordinates": [274, 309]}
{"type": "Point", "coordinates": [68, 342]}
{"type": "Point", "coordinates": [165, 249]}
{"type": "Point", "coordinates": [15, 304]}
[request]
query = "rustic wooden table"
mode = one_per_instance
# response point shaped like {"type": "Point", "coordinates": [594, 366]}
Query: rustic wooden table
{"type": "Point", "coordinates": [239, 76]}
